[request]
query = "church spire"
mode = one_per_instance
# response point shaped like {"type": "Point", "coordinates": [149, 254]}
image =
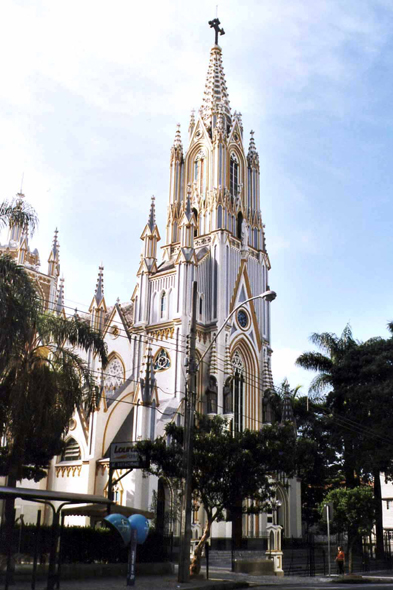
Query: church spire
{"type": "Point", "coordinates": [98, 306]}
{"type": "Point", "coordinates": [99, 292]}
{"type": "Point", "coordinates": [54, 257]}
{"type": "Point", "coordinates": [150, 237]}
{"type": "Point", "coordinates": [216, 97]}
{"type": "Point", "coordinates": [177, 144]}
{"type": "Point", "coordinates": [152, 216]}
{"type": "Point", "coordinates": [60, 299]}
{"type": "Point", "coordinates": [252, 156]}
{"type": "Point", "coordinates": [192, 122]}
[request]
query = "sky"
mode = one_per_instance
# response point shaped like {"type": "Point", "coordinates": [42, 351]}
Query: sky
{"type": "Point", "coordinates": [90, 96]}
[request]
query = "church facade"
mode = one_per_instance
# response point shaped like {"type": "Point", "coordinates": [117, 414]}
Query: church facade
{"type": "Point", "coordinates": [215, 236]}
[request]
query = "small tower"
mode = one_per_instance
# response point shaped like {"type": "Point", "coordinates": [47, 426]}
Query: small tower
{"type": "Point", "coordinates": [175, 186]}
{"type": "Point", "coordinates": [54, 257]}
{"type": "Point", "coordinates": [187, 225]}
{"type": "Point", "coordinates": [59, 309]}
{"type": "Point", "coordinates": [98, 307]}
{"type": "Point", "coordinates": [23, 247]}
{"type": "Point", "coordinates": [150, 237]}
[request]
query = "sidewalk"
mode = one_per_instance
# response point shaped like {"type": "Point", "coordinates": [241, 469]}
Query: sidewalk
{"type": "Point", "coordinates": [219, 580]}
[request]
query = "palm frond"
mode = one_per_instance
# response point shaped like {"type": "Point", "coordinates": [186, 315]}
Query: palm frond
{"type": "Point", "coordinates": [320, 383]}
{"type": "Point", "coordinates": [18, 212]}
{"type": "Point", "coordinates": [326, 341]}
{"type": "Point", "coordinates": [314, 361]}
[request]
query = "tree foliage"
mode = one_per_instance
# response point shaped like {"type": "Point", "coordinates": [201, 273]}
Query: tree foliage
{"type": "Point", "coordinates": [42, 377]}
{"type": "Point", "coordinates": [357, 380]}
{"type": "Point", "coordinates": [226, 466]}
{"type": "Point", "coordinates": [353, 512]}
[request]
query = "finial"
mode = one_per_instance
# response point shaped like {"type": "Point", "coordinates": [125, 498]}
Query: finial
{"type": "Point", "coordinates": [118, 300]}
{"type": "Point", "coordinates": [99, 293]}
{"type": "Point", "coordinates": [152, 215]}
{"type": "Point", "coordinates": [215, 24]}
{"type": "Point", "coordinates": [192, 121]}
{"type": "Point", "coordinates": [252, 148]}
{"type": "Point", "coordinates": [177, 142]}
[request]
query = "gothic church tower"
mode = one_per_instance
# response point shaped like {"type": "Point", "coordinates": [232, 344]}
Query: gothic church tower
{"type": "Point", "coordinates": [215, 236]}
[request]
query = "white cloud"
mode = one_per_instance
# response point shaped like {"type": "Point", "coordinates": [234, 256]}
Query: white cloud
{"type": "Point", "coordinates": [283, 367]}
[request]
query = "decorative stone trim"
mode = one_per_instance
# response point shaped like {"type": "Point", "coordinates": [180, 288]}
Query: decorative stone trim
{"type": "Point", "coordinates": [68, 470]}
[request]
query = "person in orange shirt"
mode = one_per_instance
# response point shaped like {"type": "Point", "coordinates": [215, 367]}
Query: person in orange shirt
{"type": "Point", "coordinates": [340, 559]}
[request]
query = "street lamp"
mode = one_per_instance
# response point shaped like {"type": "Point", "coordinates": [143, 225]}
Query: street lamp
{"type": "Point", "coordinates": [184, 557]}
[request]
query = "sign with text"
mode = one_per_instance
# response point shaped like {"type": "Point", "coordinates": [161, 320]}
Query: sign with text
{"type": "Point", "coordinates": [124, 455]}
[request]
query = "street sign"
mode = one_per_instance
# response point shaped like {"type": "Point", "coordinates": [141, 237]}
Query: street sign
{"type": "Point", "coordinates": [124, 455]}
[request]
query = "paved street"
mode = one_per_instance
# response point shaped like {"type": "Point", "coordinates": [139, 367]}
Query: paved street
{"type": "Point", "coordinates": [220, 580]}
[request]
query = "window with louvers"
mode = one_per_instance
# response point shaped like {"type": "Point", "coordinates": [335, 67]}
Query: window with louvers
{"type": "Point", "coordinates": [72, 451]}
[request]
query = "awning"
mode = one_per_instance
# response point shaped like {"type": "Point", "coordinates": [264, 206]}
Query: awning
{"type": "Point", "coordinates": [99, 511]}
{"type": "Point", "coordinates": [52, 496]}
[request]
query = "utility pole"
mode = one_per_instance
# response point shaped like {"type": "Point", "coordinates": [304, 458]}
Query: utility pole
{"type": "Point", "coordinates": [185, 541]}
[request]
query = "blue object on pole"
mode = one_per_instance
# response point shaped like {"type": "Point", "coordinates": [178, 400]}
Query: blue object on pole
{"type": "Point", "coordinates": [121, 524]}
{"type": "Point", "coordinates": [141, 525]}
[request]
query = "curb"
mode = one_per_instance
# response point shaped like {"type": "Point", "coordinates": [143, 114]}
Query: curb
{"type": "Point", "coordinates": [217, 584]}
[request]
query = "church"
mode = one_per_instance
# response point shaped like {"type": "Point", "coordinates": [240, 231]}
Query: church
{"type": "Point", "coordinates": [214, 235]}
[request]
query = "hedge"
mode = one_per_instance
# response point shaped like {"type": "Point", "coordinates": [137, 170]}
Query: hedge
{"type": "Point", "coordinates": [88, 545]}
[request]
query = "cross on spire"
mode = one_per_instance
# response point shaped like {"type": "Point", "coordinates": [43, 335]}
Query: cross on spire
{"type": "Point", "coordinates": [215, 24]}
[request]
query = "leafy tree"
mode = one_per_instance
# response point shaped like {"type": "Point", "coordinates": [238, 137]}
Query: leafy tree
{"type": "Point", "coordinates": [362, 401]}
{"type": "Point", "coordinates": [317, 460]}
{"type": "Point", "coordinates": [353, 513]}
{"type": "Point", "coordinates": [359, 379]}
{"type": "Point", "coordinates": [225, 466]}
{"type": "Point", "coordinates": [42, 377]}
{"type": "Point", "coordinates": [334, 349]}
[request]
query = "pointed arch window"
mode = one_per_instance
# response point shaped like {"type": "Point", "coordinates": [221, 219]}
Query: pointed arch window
{"type": "Point", "coordinates": [239, 225]}
{"type": "Point", "coordinates": [163, 305]}
{"type": "Point", "coordinates": [238, 391]}
{"type": "Point", "coordinates": [114, 375]}
{"type": "Point", "coordinates": [233, 176]}
{"type": "Point", "coordinates": [211, 396]}
{"type": "Point", "coordinates": [71, 451]}
{"type": "Point", "coordinates": [199, 172]}
{"type": "Point", "coordinates": [196, 232]}
{"type": "Point", "coordinates": [162, 360]}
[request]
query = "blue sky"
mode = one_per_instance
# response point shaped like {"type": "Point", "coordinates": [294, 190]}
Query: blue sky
{"type": "Point", "coordinates": [90, 97]}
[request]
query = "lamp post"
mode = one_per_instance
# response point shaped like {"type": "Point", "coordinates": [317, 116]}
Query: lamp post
{"type": "Point", "coordinates": [184, 557]}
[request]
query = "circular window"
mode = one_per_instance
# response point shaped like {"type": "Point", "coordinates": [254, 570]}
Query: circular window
{"type": "Point", "coordinates": [236, 137]}
{"type": "Point", "coordinates": [242, 319]}
{"type": "Point", "coordinates": [114, 332]}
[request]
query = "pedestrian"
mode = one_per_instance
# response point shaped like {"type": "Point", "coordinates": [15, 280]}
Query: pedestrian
{"type": "Point", "coordinates": [340, 559]}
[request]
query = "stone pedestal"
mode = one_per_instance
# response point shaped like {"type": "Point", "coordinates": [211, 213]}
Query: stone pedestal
{"type": "Point", "coordinates": [274, 551]}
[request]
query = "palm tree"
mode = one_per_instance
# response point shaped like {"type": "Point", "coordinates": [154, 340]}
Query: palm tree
{"type": "Point", "coordinates": [18, 212]}
{"type": "Point", "coordinates": [334, 348]}
{"type": "Point", "coordinates": [42, 379]}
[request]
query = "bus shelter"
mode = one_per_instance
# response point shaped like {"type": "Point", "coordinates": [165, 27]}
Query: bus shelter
{"type": "Point", "coordinates": [49, 498]}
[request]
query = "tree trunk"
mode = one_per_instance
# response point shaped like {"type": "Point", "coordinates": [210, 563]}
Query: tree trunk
{"type": "Point", "coordinates": [237, 525]}
{"type": "Point", "coordinates": [379, 549]}
{"type": "Point", "coordinates": [9, 518]}
{"type": "Point", "coordinates": [195, 566]}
